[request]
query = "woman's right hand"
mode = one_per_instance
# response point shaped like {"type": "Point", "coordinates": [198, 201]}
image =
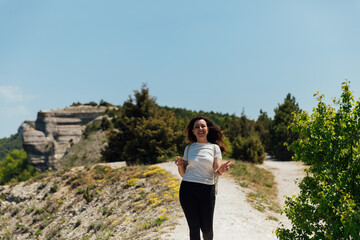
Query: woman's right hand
{"type": "Point", "coordinates": [179, 161]}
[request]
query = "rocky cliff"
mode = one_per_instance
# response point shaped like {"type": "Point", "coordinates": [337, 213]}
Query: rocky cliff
{"type": "Point", "coordinates": [55, 131]}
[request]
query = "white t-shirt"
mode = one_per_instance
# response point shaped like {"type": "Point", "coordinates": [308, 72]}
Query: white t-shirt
{"type": "Point", "coordinates": [200, 162]}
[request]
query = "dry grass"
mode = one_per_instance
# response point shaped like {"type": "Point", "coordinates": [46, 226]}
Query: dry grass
{"type": "Point", "coordinates": [263, 192]}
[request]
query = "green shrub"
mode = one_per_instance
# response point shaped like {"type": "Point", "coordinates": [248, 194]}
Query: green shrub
{"type": "Point", "coordinates": [104, 103]}
{"type": "Point", "coordinates": [229, 149]}
{"type": "Point", "coordinates": [54, 188]}
{"type": "Point", "coordinates": [88, 194]}
{"type": "Point", "coordinates": [77, 223]}
{"type": "Point", "coordinates": [248, 149]}
{"type": "Point", "coordinates": [75, 104]}
{"type": "Point", "coordinates": [106, 124]}
{"type": "Point", "coordinates": [90, 128]}
{"type": "Point", "coordinates": [100, 171]}
{"type": "Point", "coordinates": [7, 145]}
{"type": "Point", "coordinates": [96, 226]}
{"type": "Point", "coordinates": [15, 167]}
{"type": "Point", "coordinates": [92, 103]}
{"type": "Point", "coordinates": [328, 206]}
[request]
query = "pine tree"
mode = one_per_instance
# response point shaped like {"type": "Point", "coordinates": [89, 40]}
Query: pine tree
{"type": "Point", "coordinates": [281, 135]}
{"type": "Point", "coordinates": [262, 127]}
{"type": "Point", "coordinates": [143, 132]}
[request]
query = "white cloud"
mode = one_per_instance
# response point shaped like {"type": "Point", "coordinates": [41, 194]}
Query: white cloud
{"type": "Point", "coordinates": [11, 93]}
{"type": "Point", "coordinates": [12, 115]}
{"type": "Point", "coordinates": [13, 107]}
{"type": "Point", "coordinates": [11, 118]}
{"type": "Point", "coordinates": [14, 111]}
{"type": "Point", "coordinates": [19, 110]}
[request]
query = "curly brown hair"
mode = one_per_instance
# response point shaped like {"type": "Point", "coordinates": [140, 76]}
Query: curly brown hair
{"type": "Point", "coordinates": [214, 135]}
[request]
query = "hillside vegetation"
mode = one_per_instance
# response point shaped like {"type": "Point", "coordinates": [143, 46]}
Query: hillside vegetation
{"type": "Point", "coordinates": [7, 145]}
{"type": "Point", "coordinates": [15, 168]}
{"type": "Point", "coordinates": [90, 203]}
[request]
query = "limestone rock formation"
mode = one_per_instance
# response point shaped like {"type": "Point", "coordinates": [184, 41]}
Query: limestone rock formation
{"type": "Point", "coordinates": [39, 148]}
{"type": "Point", "coordinates": [26, 125]}
{"type": "Point", "coordinates": [54, 132]}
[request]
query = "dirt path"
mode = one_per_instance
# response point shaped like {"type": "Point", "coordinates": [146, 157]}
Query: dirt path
{"type": "Point", "coordinates": [234, 217]}
{"type": "Point", "coordinates": [286, 174]}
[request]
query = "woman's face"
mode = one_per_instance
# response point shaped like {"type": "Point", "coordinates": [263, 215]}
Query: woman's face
{"type": "Point", "coordinates": [200, 130]}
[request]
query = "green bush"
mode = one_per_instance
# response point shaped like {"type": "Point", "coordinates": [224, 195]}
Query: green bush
{"type": "Point", "coordinates": [229, 150]}
{"type": "Point", "coordinates": [54, 188]}
{"type": "Point", "coordinates": [90, 128]}
{"type": "Point", "coordinates": [328, 206]}
{"type": "Point", "coordinates": [92, 103]}
{"type": "Point", "coordinates": [106, 124]}
{"type": "Point", "coordinates": [248, 149]}
{"type": "Point", "coordinates": [88, 194]}
{"type": "Point", "coordinates": [104, 103]}
{"type": "Point", "coordinates": [7, 145]}
{"type": "Point", "coordinates": [15, 168]}
{"type": "Point", "coordinates": [75, 104]}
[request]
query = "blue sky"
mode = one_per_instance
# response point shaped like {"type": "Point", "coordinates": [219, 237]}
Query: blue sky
{"type": "Point", "coordinates": [221, 56]}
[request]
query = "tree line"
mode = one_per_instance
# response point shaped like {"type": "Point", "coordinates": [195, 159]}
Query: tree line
{"type": "Point", "coordinates": [142, 132]}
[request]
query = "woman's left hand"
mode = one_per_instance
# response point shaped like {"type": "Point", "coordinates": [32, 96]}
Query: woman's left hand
{"type": "Point", "coordinates": [225, 167]}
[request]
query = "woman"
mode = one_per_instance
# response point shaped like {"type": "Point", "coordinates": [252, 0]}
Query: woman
{"type": "Point", "coordinates": [199, 167]}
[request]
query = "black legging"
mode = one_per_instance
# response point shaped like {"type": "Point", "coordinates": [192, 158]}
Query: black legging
{"type": "Point", "coordinates": [198, 202]}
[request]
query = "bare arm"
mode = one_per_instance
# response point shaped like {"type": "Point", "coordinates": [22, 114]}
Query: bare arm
{"type": "Point", "coordinates": [216, 166]}
{"type": "Point", "coordinates": [219, 168]}
{"type": "Point", "coordinates": [181, 165]}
